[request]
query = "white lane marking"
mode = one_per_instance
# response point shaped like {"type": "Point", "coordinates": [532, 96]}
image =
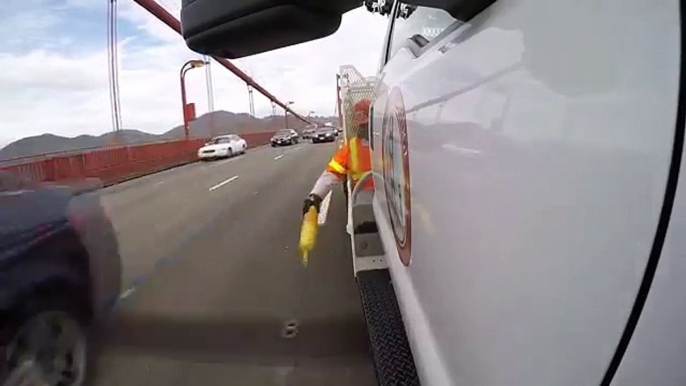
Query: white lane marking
{"type": "Point", "coordinates": [277, 157]}
{"type": "Point", "coordinates": [160, 183]}
{"type": "Point", "coordinates": [324, 209]}
{"type": "Point", "coordinates": [219, 185]}
{"type": "Point", "coordinates": [127, 293]}
{"type": "Point", "coordinates": [464, 150]}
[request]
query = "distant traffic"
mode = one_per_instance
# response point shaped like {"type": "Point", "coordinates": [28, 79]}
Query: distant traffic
{"type": "Point", "coordinates": [229, 145]}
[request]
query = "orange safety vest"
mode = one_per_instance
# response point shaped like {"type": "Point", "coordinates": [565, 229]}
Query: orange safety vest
{"type": "Point", "coordinates": [353, 159]}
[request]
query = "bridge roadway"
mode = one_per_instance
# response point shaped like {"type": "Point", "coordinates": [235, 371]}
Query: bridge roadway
{"type": "Point", "coordinates": [212, 275]}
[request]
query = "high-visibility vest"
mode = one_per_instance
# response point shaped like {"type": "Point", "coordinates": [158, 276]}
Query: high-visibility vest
{"type": "Point", "coordinates": [352, 159]}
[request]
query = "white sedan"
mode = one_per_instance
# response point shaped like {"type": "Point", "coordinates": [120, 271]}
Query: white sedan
{"type": "Point", "coordinates": [222, 146]}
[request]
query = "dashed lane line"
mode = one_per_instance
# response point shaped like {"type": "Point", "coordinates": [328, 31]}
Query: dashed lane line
{"type": "Point", "coordinates": [219, 185]}
{"type": "Point", "coordinates": [127, 293]}
{"type": "Point", "coordinates": [324, 209]}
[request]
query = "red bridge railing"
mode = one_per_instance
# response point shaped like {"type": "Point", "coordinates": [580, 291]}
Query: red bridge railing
{"type": "Point", "coordinates": [113, 165]}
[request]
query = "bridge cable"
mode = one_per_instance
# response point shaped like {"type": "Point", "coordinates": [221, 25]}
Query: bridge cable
{"type": "Point", "coordinates": [113, 64]}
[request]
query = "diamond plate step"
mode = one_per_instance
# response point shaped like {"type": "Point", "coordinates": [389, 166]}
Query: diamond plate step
{"type": "Point", "coordinates": [390, 349]}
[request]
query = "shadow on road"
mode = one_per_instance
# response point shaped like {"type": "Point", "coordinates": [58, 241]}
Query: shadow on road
{"type": "Point", "coordinates": [240, 341]}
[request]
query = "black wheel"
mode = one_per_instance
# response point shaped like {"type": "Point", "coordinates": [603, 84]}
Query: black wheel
{"type": "Point", "coordinates": [49, 342]}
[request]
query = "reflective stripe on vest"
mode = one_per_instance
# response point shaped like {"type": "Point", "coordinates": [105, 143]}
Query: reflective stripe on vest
{"type": "Point", "coordinates": [337, 167]}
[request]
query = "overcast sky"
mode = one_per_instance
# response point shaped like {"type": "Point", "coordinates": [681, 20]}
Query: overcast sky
{"type": "Point", "coordinates": [54, 75]}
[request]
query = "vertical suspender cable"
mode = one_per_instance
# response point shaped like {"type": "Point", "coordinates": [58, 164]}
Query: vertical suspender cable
{"type": "Point", "coordinates": [208, 82]}
{"type": "Point", "coordinates": [210, 93]}
{"type": "Point", "coordinates": [113, 64]}
{"type": "Point", "coordinates": [109, 63]}
{"type": "Point", "coordinates": [115, 47]}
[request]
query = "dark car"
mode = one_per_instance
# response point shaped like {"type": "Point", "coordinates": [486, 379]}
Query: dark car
{"type": "Point", "coordinates": [60, 272]}
{"type": "Point", "coordinates": [324, 134]}
{"type": "Point", "coordinates": [285, 137]}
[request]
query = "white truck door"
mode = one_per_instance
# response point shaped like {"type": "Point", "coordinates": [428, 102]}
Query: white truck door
{"type": "Point", "coordinates": [391, 178]}
{"type": "Point", "coordinates": [521, 162]}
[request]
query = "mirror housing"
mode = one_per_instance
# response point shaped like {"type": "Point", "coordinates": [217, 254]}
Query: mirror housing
{"type": "Point", "coordinates": [238, 28]}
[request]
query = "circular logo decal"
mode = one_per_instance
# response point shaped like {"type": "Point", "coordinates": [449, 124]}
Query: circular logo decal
{"type": "Point", "coordinates": [396, 173]}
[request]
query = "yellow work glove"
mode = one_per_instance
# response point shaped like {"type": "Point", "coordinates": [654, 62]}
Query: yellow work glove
{"type": "Point", "coordinates": [308, 233]}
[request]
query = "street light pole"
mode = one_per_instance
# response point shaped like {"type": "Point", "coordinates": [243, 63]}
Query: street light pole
{"type": "Point", "coordinates": [183, 105]}
{"type": "Point", "coordinates": [286, 113]}
{"type": "Point", "coordinates": [187, 66]}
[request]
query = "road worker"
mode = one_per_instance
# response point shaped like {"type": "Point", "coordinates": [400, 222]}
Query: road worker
{"type": "Point", "coordinates": [351, 160]}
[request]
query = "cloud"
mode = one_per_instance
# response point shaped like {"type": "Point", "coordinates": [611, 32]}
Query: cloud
{"type": "Point", "coordinates": [43, 70]}
{"type": "Point", "coordinates": [54, 77]}
{"type": "Point", "coordinates": [26, 24]}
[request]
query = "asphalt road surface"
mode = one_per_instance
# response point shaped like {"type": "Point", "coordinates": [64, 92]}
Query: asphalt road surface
{"type": "Point", "coordinates": [212, 277]}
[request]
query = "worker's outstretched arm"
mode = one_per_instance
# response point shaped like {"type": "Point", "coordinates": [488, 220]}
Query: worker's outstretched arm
{"type": "Point", "coordinates": [325, 183]}
{"type": "Point", "coordinates": [334, 173]}
{"type": "Point", "coordinates": [321, 188]}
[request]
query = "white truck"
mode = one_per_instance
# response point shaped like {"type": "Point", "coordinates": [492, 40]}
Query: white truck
{"type": "Point", "coordinates": [529, 196]}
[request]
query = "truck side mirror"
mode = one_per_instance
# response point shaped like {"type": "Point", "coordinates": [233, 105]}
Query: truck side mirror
{"type": "Point", "coordinates": [238, 28]}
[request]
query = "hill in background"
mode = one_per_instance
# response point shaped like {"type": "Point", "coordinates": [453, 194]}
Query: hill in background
{"type": "Point", "coordinates": [205, 126]}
